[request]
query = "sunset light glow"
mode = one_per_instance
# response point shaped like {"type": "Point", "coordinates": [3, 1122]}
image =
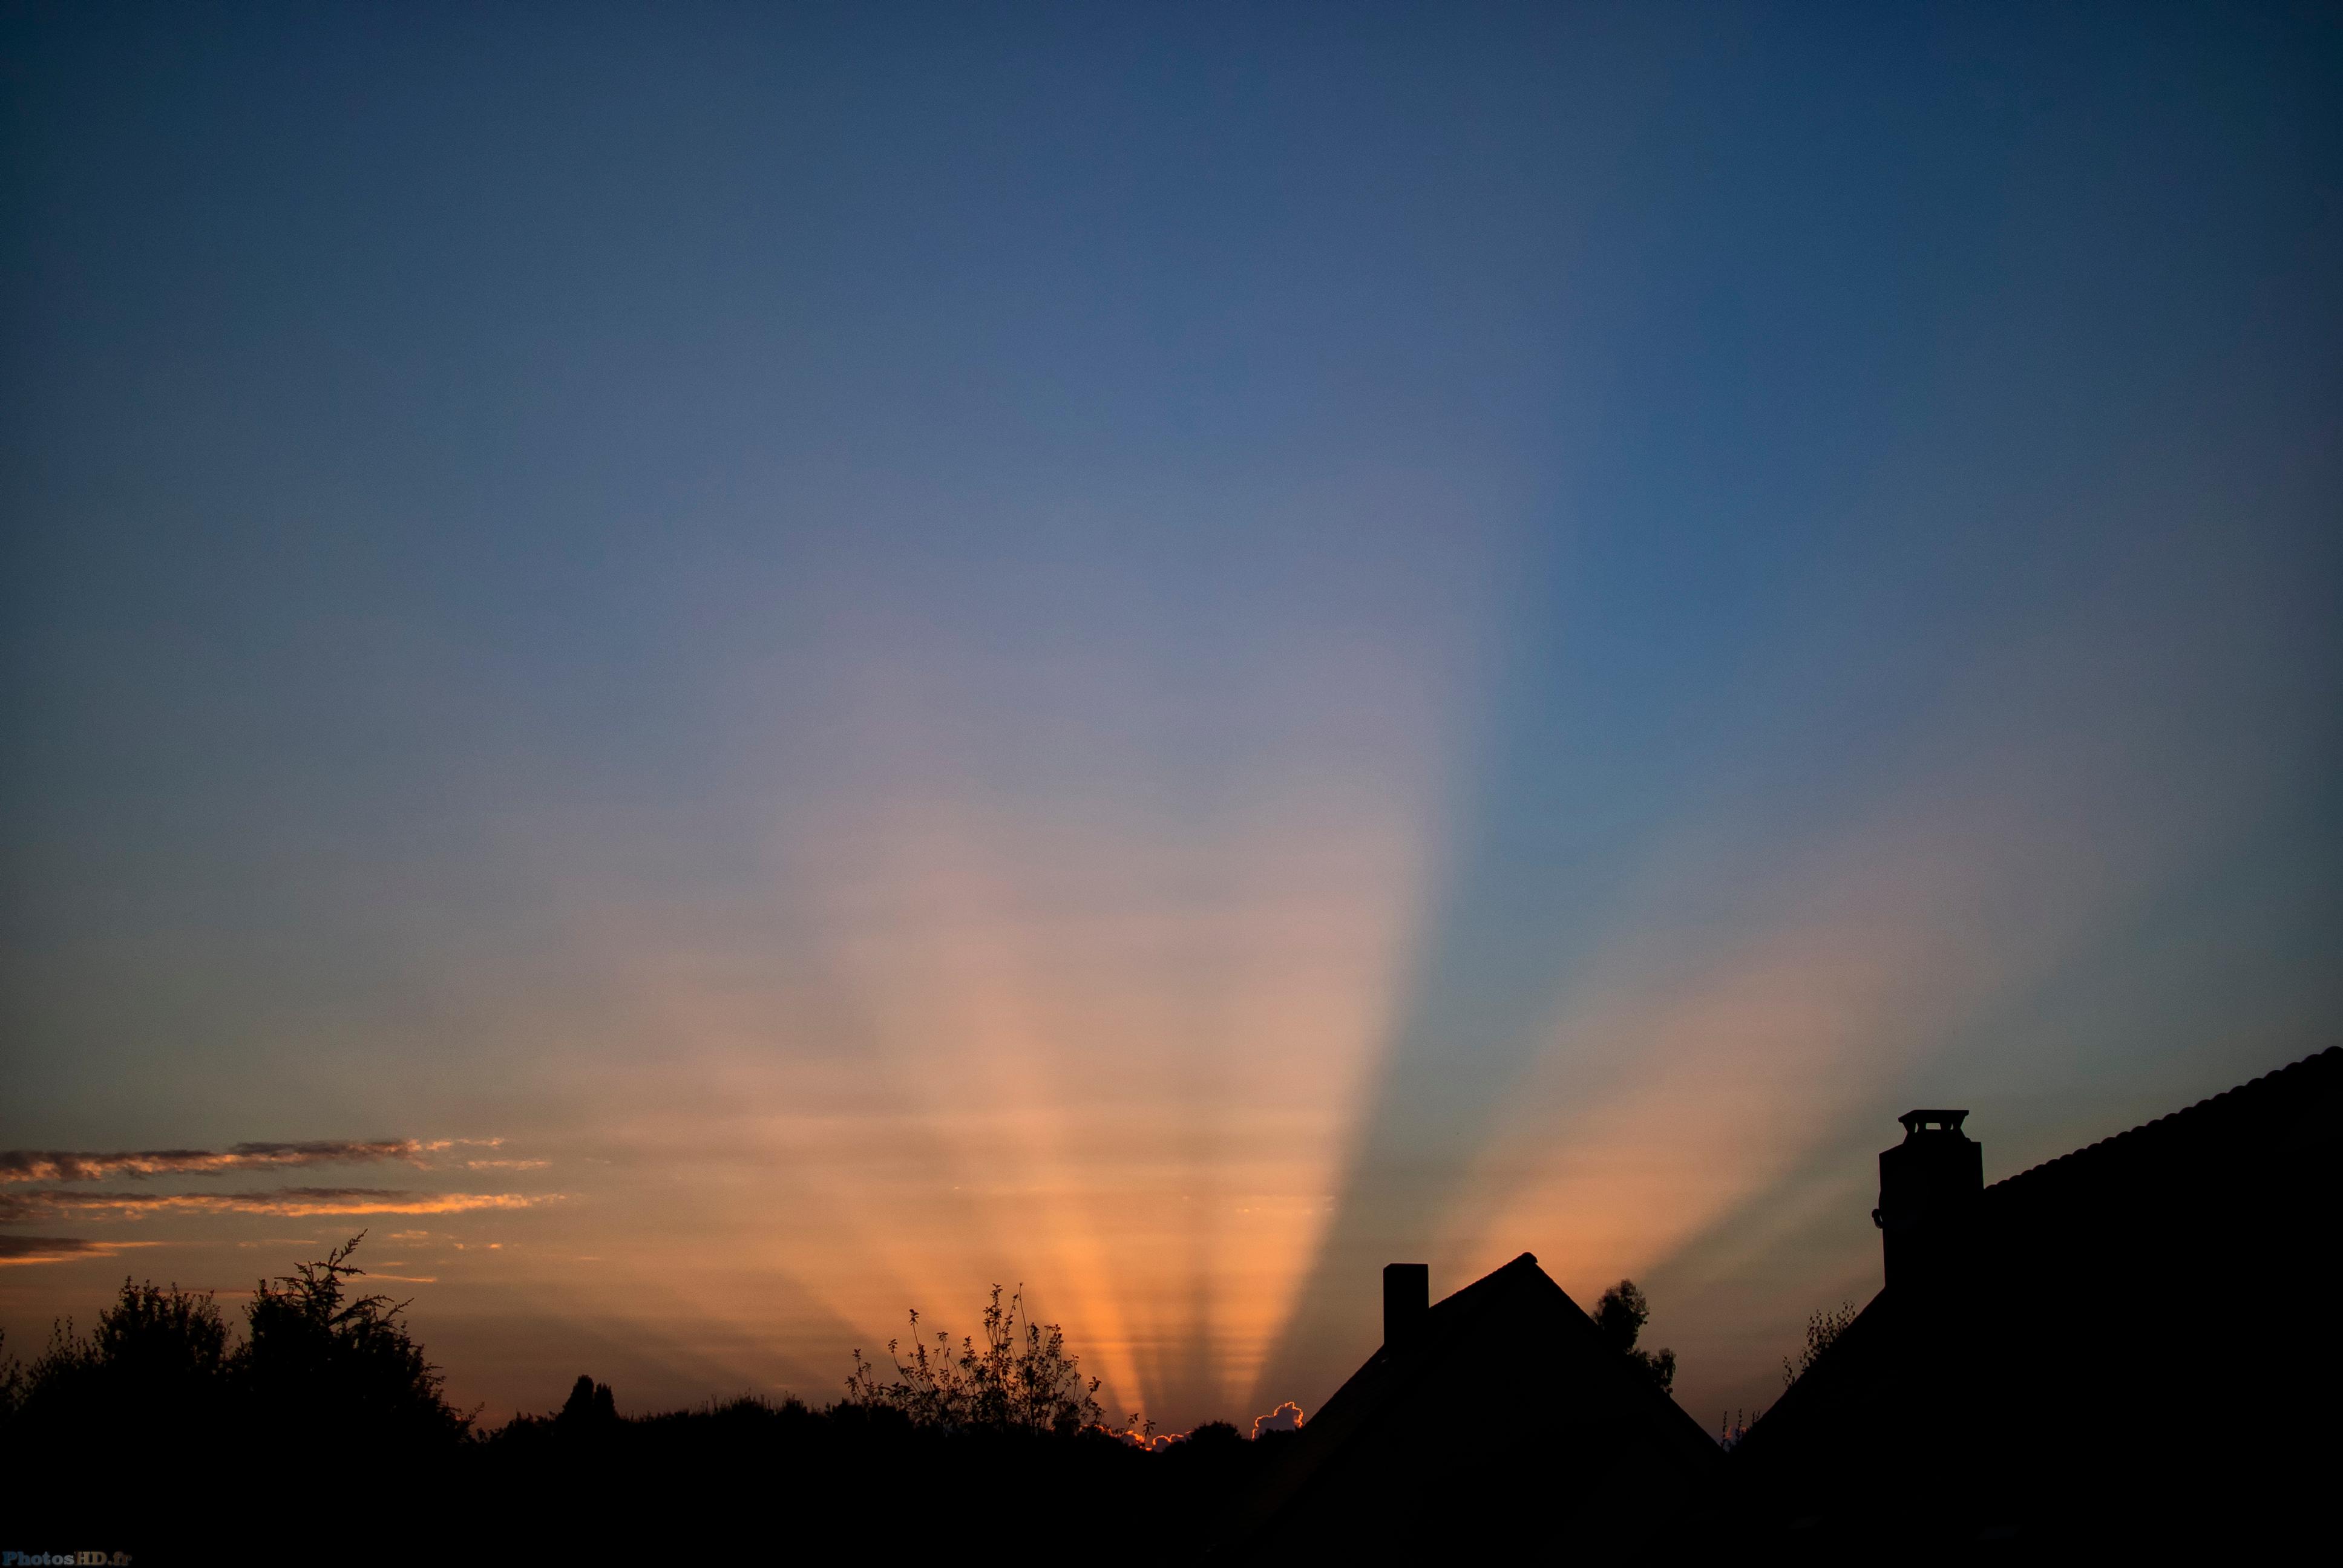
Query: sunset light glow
{"type": "Point", "coordinates": [726, 675]}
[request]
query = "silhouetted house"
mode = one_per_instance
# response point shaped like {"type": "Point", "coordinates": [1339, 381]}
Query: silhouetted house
{"type": "Point", "coordinates": [2135, 1345]}
{"type": "Point", "coordinates": [1498, 1415]}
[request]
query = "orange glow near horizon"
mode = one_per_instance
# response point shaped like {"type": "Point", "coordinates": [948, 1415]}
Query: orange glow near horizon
{"type": "Point", "coordinates": [938, 1039]}
{"type": "Point", "coordinates": [723, 671]}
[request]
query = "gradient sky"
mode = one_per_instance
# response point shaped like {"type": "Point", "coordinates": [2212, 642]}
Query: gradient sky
{"type": "Point", "coordinates": [812, 658]}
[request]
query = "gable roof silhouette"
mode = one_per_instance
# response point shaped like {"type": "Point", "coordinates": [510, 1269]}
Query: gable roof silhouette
{"type": "Point", "coordinates": [1504, 1412]}
{"type": "Point", "coordinates": [2121, 1343]}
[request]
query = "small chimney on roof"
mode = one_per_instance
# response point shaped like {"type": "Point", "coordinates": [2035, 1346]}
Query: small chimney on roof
{"type": "Point", "coordinates": [1407, 1303]}
{"type": "Point", "coordinates": [1929, 1188]}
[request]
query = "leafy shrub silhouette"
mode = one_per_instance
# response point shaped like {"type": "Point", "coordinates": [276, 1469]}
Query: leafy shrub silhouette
{"type": "Point", "coordinates": [312, 1347]}
{"type": "Point", "coordinates": [1023, 1378]}
{"type": "Point", "coordinates": [313, 1357]}
{"type": "Point", "coordinates": [324, 1409]}
{"type": "Point", "coordinates": [159, 1355]}
{"type": "Point", "coordinates": [1823, 1330]}
{"type": "Point", "coordinates": [1620, 1316]}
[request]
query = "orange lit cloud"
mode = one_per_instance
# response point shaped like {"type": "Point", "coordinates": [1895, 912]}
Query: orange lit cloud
{"type": "Point", "coordinates": [57, 1248]}
{"type": "Point", "coordinates": [287, 1202]}
{"type": "Point", "coordinates": [64, 1165]}
{"type": "Point", "coordinates": [1286, 1417]}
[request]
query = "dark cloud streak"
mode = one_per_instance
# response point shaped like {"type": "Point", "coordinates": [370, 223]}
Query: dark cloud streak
{"type": "Point", "coordinates": [66, 1165]}
{"type": "Point", "coordinates": [57, 1248]}
{"type": "Point", "coordinates": [289, 1201]}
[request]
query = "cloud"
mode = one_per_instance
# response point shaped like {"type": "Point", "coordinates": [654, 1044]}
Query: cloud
{"type": "Point", "coordinates": [1138, 1437]}
{"type": "Point", "coordinates": [1286, 1417]}
{"type": "Point", "coordinates": [57, 1248]}
{"type": "Point", "coordinates": [64, 1165]}
{"type": "Point", "coordinates": [288, 1202]}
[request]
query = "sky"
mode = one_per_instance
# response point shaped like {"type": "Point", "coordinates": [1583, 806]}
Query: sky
{"type": "Point", "coordinates": [724, 671]}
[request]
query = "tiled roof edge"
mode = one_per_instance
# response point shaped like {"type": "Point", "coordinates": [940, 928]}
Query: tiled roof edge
{"type": "Point", "coordinates": [2251, 1084]}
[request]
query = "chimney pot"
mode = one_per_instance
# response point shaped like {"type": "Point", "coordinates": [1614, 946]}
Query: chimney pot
{"type": "Point", "coordinates": [1407, 1303]}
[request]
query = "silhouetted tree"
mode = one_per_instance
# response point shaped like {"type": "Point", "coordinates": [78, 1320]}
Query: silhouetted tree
{"type": "Point", "coordinates": [159, 1420]}
{"type": "Point", "coordinates": [590, 1403]}
{"type": "Point", "coordinates": [161, 1359]}
{"type": "Point", "coordinates": [155, 1362]}
{"type": "Point", "coordinates": [325, 1400]}
{"type": "Point", "coordinates": [1823, 1330]}
{"type": "Point", "coordinates": [313, 1349]}
{"type": "Point", "coordinates": [1021, 1377]}
{"type": "Point", "coordinates": [1620, 1316]}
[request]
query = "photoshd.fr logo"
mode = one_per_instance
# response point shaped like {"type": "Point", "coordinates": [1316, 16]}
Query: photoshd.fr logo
{"type": "Point", "coordinates": [63, 1559]}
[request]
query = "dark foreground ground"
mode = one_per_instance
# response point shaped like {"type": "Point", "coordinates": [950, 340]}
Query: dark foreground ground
{"type": "Point", "coordinates": [746, 1481]}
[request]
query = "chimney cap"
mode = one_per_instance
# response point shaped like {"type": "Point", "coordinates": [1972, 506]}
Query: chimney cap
{"type": "Point", "coordinates": [1914, 1121]}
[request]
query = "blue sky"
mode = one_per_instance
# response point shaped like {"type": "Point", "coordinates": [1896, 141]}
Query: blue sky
{"type": "Point", "coordinates": [1172, 651]}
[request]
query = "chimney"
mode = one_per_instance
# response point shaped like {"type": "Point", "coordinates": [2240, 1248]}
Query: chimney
{"type": "Point", "coordinates": [1407, 1303]}
{"type": "Point", "coordinates": [1930, 1186]}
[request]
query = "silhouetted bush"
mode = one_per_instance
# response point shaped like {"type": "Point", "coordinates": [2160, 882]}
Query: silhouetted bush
{"type": "Point", "coordinates": [161, 1423]}
{"type": "Point", "coordinates": [164, 1434]}
{"type": "Point", "coordinates": [159, 1358]}
{"type": "Point", "coordinates": [313, 1358]}
{"type": "Point", "coordinates": [1021, 1378]}
{"type": "Point", "coordinates": [313, 1351]}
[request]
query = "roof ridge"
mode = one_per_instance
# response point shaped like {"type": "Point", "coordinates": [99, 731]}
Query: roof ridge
{"type": "Point", "coordinates": [1527, 1263]}
{"type": "Point", "coordinates": [2152, 1123]}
